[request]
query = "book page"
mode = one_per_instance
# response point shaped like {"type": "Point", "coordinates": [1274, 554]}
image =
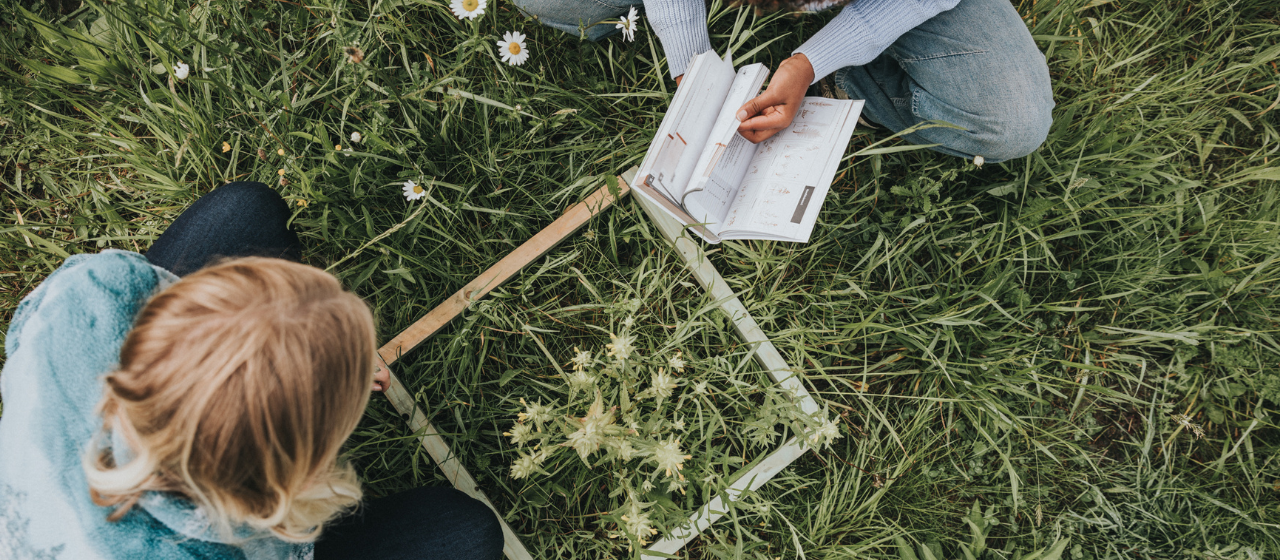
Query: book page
{"type": "Point", "coordinates": [723, 161]}
{"type": "Point", "coordinates": [669, 162]}
{"type": "Point", "coordinates": [788, 178]}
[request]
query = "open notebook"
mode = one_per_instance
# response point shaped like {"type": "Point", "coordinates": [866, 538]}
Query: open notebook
{"type": "Point", "coordinates": [706, 175]}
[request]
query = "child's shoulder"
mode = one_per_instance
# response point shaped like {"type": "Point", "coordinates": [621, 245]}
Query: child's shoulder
{"type": "Point", "coordinates": [92, 289]}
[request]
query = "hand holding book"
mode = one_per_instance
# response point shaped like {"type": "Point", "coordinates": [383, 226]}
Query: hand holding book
{"type": "Point", "coordinates": [774, 109]}
{"type": "Point", "coordinates": [710, 177]}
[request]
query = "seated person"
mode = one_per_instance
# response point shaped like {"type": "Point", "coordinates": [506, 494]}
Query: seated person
{"type": "Point", "coordinates": [971, 63]}
{"type": "Point", "coordinates": [180, 405]}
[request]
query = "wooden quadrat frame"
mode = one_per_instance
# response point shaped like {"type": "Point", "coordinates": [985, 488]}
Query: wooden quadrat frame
{"type": "Point", "coordinates": [755, 475]}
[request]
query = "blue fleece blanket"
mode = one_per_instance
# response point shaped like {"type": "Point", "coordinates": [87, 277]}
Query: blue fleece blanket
{"type": "Point", "coordinates": [64, 337]}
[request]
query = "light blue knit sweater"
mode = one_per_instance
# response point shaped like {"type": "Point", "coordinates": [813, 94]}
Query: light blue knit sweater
{"type": "Point", "coordinates": [862, 30]}
{"type": "Point", "coordinates": [64, 337]}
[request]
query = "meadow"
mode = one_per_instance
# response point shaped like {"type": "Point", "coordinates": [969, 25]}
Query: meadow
{"type": "Point", "coordinates": [1080, 344]}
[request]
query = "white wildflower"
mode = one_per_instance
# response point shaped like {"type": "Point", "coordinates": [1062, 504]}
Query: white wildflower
{"type": "Point", "coordinates": [513, 49]}
{"type": "Point", "coordinates": [537, 413]}
{"type": "Point", "coordinates": [700, 388]}
{"type": "Point", "coordinates": [626, 323]}
{"type": "Point", "coordinates": [181, 70]}
{"type": "Point", "coordinates": [413, 191]}
{"type": "Point", "coordinates": [636, 521]}
{"type": "Point", "coordinates": [627, 24]}
{"type": "Point", "coordinates": [527, 464]}
{"type": "Point", "coordinates": [468, 9]}
{"type": "Point", "coordinates": [826, 433]}
{"type": "Point", "coordinates": [580, 380]}
{"type": "Point", "coordinates": [356, 138]}
{"type": "Point", "coordinates": [662, 383]}
{"type": "Point", "coordinates": [621, 447]}
{"type": "Point", "coordinates": [592, 429]}
{"type": "Point", "coordinates": [581, 358]}
{"type": "Point", "coordinates": [676, 362]}
{"type": "Point", "coordinates": [621, 347]}
{"type": "Point", "coordinates": [520, 433]}
{"type": "Point", "coordinates": [668, 457]}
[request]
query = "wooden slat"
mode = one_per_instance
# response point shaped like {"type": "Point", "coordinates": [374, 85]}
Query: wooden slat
{"type": "Point", "coordinates": [535, 247]}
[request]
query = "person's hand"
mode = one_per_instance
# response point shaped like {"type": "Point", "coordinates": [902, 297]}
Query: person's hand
{"type": "Point", "coordinates": [774, 109]}
{"type": "Point", "coordinates": [678, 78]}
{"type": "Point", "coordinates": [381, 379]}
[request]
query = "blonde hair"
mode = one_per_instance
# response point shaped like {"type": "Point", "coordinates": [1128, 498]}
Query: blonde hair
{"type": "Point", "coordinates": [237, 387]}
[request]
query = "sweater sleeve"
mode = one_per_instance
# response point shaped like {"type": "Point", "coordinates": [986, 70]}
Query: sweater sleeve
{"type": "Point", "coordinates": [863, 30]}
{"type": "Point", "coordinates": [681, 26]}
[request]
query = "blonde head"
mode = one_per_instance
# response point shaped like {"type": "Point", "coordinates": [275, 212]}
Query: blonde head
{"type": "Point", "coordinates": [236, 389]}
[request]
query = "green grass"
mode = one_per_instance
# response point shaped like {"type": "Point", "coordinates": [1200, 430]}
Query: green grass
{"type": "Point", "coordinates": [1020, 336]}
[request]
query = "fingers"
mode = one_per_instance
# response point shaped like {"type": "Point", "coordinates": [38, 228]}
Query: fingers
{"type": "Point", "coordinates": [764, 116]}
{"type": "Point", "coordinates": [381, 379]}
{"type": "Point", "coordinates": [758, 136]}
{"type": "Point", "coordinates": [773, 117]}
{"type": "Point", "coordinates": [758, 104]}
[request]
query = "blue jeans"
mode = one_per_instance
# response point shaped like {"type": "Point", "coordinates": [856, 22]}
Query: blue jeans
{"type": "Point", "coordinates": [974, 66]}
{"type": "Point", "coordinates": [573, 16]}
{"type": "Point", "coordinates": [420, 524]}
{"type": "Point", "coordinates": [239, 219]}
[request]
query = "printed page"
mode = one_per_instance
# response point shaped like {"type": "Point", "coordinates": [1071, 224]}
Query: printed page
{"type": "Point", "coordinates": [724, 160]}
{"type": "Point", "coordinates": [669, 162]}
{"type": "Point", "coordinates": [789, 176]}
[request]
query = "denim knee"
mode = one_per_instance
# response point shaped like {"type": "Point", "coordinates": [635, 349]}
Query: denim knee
{"type": "Point", "coordinates": [244, 194]}
{"type": "Point", "coordinates": [1016, 132]}
{"type": "Point", "coordinates": [483, 531]}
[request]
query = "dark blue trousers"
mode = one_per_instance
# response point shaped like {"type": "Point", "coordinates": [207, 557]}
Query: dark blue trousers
{"type": "Point", "coordinates": [249, 219]}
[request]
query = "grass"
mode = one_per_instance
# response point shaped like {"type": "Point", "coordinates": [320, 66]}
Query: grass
{"type": "Point", "coordinates": [1020, 336]}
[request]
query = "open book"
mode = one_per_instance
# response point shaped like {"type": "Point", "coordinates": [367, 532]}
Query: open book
{"type": "Point", "coordinates": [710, 178]}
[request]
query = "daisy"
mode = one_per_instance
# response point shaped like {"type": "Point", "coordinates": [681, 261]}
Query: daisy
{"type": "Point", "coordinates": [181, 70]}
{"type": "Point", "coordinates": [413, 191]}
{"type": "Point", "coordinates": [468, 9]}
{"type": "Point", "coordinates": [513, 49]}
{"type": "Point", "coordinates": [627, 24]}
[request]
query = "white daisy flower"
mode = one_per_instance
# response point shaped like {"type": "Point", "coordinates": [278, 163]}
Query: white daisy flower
{"type": "Point", "coordinates": [468, 9]}
{"type": "Point", "coordinates": [413, 191]}
{"type": "Point", "coordinates": [181, 70]}
{"type": "Point", "coordinates": [627, 24]}
{"type": "Point", "coordinates": [356, 138]}
{"type": "Point", "coordinates": [513, 49]}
